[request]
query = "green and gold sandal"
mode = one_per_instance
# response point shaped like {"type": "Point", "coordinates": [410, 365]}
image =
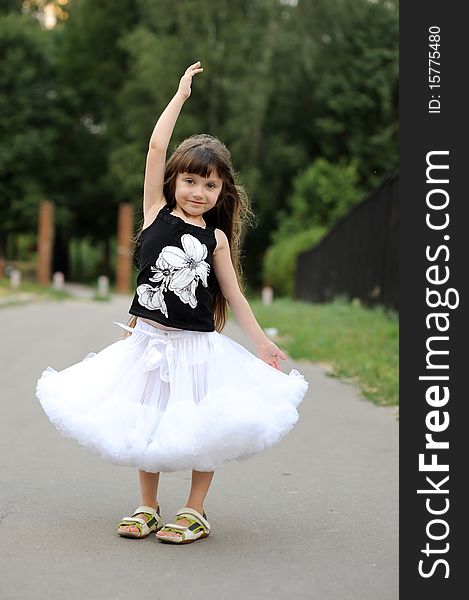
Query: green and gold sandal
{"type": "Point", "coordinates": [198, 529]}
{"type": "Point", "coordinates": [144, 527]}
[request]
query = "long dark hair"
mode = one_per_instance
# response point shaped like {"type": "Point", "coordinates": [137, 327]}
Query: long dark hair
{"type": "Point", "coordinates": [203, 154]}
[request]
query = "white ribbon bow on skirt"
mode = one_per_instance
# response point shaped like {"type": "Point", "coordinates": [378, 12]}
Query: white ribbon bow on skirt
{"type": "Point", "coordinates": [158, 354]}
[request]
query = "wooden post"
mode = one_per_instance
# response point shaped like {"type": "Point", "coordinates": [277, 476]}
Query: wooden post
{"type": "Point", "coordinates": [124, 258]}
{"type": "Point", "coordinates": [45, 242]}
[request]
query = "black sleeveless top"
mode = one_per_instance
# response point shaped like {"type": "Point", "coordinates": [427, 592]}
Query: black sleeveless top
{"type": "Point", "coordinates": [175, 278]}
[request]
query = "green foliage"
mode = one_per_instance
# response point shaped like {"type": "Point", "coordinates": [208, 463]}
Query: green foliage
{"type": "Point", "coordinates": [360, 344]}
{"type": "Point", "coordinates": [7, 6]}
{"type": "Point", "coordinates": [269, 91]}
{"type": "Point", "coordinates": [26, 115]}
{"type": "Point", "coordinates": [321, 195]}
{"type": "Point", "coordinates": [284, 84]}
{"type": "Point", "coordinates": [354, 110]}
{"type": "Point", "coordinates": [280, 259]}
{"type": "Point", "coordinates": [93, 67]}
{"type": "Point", "coordinates": [235, 43]}
{"type": "Point", "coordinates": [29, 291]}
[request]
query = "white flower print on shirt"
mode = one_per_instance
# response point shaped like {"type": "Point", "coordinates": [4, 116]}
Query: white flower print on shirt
{"type": "Point", "coordinates": [190, 267]}
{"type": "Point", "coordinates": [152, 298]}
{"type": "Point", "coordinates": [163, 271]}
{"type": "Point", "coordinates": [178, 271]}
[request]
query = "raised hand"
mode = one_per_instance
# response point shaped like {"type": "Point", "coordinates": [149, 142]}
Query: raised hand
{"type": "Point", "coordinates": [186, 80]}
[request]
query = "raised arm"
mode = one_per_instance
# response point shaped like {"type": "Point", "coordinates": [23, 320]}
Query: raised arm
{"type": "Point", "coordinates": [159, 142]}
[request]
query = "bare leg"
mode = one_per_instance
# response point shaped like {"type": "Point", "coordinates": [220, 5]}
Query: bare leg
{"type": "Point", "coordinates": [201, 481]}
{"type": "Point", "coordinates": [148, 492]}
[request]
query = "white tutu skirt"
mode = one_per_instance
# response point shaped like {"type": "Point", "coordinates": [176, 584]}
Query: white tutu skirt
{"type": "Point", "coordinates": [172, 400]}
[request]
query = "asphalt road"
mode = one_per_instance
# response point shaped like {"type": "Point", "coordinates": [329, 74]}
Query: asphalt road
{"type": "Point", "coordinates": [315, 517]}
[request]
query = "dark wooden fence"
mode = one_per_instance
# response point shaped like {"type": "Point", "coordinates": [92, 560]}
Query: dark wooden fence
{"type": "Point", "coordinates": [359, 257]}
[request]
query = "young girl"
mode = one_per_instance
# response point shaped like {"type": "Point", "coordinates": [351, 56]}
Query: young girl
{"type": "Point", "coordinates": [177, 394]}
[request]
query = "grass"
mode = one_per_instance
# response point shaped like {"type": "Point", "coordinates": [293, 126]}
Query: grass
{"type": "Point", "coordinates": [360, 344]}
{"type": "Point", "coordinates": [27, 292]}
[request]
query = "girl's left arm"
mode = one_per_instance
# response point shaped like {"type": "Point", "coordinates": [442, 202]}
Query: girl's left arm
{"type": "Point", "coordinates": [226, 276]}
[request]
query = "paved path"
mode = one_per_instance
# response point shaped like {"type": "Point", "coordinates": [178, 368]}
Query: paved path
{"type": "Point", "coordinates": [315, 517]}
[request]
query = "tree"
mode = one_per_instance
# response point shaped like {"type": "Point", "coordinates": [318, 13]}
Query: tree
{"type": "Point", "coordinates": [354, 85]}
{"type": "Point", "coordinates": [92, 68]}
{"type": "Point", "coordinates": [27, 113]}
{"type": "Point", "coordinates": [284, 83]}
{"type": "Point", "coordinates": [321, 195]}
{"type": "Point", "coordinates": [237, 44]}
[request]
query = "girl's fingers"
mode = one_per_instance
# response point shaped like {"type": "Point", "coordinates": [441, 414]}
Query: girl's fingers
{"type": "Point", "coordinates": [192, 73]}
{"type": "Point", "coordinates": [281, 354]}
{"type": "Point", "coordinates": [194, 66]}
{"type": "Point", "coordinates": [274, 362]}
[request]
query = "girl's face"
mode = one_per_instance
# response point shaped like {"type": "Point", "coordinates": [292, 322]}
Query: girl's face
{"type": "Point", "coordinates": [196, 194]}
